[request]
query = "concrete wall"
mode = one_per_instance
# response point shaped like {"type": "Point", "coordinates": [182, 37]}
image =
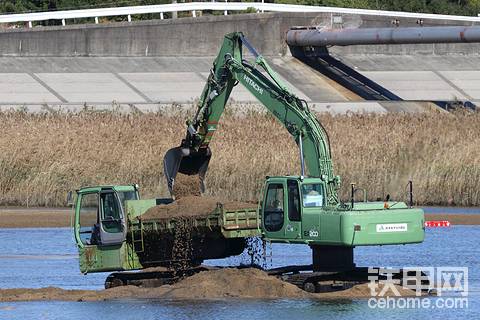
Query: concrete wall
{"type": "Point", "coordinates": [199, 36]}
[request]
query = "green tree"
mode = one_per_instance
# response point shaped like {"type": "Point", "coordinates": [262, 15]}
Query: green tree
{"type": "Point", "coordinates": [462, 7]}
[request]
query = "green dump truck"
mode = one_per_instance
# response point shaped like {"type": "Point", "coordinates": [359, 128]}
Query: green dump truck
{"type": "Point", "coordinates": [111, 234]}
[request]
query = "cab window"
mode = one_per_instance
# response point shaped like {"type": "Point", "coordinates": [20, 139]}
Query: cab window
{"type": "Point", "coordinates": [293, 201]}
{"type": "Point", "coordinates": [127, 195]}
{"type": "Point", "coordinates": [312, 195]}
{"type": "Point", "coordinates": [111, 212]}
{"type": "Point", "coordinates": [88, 217]}
{"type": "Point", "coordinates": [274, 212]}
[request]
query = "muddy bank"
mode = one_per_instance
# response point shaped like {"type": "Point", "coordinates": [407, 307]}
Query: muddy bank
{"type": "Point", "coordinates": [34, 217]}
{"type": "Point", "coordinates": [213, 284]}
{"type": "Point", "coordinates": [189, 206]}
{"type": "Point", "coordinates": [455, 219]}
{"type": "Point", "coordinates": [60, 217]}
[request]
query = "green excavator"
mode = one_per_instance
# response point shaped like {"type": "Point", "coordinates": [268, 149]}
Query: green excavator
{"type": "Point", "coordinates": [112, 235]}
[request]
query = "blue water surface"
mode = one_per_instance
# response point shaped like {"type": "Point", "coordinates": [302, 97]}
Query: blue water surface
{"type": "Point", "coordinates": [34, 258]}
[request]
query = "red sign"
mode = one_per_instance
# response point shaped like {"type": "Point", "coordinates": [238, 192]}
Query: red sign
{"type": "Point", "coordinates": [437, 223]}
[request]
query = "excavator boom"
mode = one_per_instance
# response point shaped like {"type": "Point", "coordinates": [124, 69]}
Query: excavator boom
{"type": "Point", "coordinates": [229, 69]}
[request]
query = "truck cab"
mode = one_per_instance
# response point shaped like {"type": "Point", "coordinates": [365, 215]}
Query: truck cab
{"type": "Point", "coordinates": [100, 225]}
{"type": "Point", "coordinates": [99, 214]}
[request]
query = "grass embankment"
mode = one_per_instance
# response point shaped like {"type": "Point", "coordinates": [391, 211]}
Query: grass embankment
{"type": "Point", "coordinates": [43, 156]}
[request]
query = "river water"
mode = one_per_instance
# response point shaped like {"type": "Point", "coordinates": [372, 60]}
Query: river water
{"type": "Point", "coordinates": [33, 258]}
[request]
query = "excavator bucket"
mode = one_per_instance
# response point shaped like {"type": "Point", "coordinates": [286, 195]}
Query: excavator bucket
{"type": "Point", "coordinates": [186, 161]}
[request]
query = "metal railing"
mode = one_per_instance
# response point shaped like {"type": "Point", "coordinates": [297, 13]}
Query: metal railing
{"type": "Point", "coordinates": [194, 7]}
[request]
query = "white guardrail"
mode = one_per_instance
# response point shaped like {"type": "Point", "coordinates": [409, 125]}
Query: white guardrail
{"type": "Point", "coordinates": [217, 6]}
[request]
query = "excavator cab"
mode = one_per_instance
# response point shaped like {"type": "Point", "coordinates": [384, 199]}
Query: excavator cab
{"type": "Point", "coordinates": [295, 209]}
{"type": "Point", "coordinates": [285, 200]}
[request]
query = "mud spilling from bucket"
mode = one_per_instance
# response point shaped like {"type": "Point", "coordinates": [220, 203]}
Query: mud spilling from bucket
{"type": "Point", "coordinates": [182, 249]}
{"type": "Point", "coordinates": [185, 186]}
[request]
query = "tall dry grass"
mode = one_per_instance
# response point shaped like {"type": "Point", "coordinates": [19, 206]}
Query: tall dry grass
{"type": "Point", "coordinates": [44, 156]}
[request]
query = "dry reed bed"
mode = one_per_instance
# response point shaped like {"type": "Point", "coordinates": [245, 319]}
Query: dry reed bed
{"type": "Point", "coordinates": [43, 156]}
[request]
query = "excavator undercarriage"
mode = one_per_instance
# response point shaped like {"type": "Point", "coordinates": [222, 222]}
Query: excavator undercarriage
{"type": "Point", "coordinates": [301, 276]}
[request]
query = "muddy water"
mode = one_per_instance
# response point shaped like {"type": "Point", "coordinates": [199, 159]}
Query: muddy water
{"type": "Point", "coordinates": [47, 257]}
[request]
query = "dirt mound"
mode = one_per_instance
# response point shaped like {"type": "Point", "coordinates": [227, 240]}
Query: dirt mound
{"type": "Point", "coordinates": [52, 293]}
{"type": "Point", "coordinates": [190, 206]}
{"type": "Point", "coordinates": [212, 284]}
{"type": "Point", "coordinates": [239, 283]}
{"type": "Point", "coordinates": [255, 283]}
{"type": "Point", "coordinates": [49, 293]}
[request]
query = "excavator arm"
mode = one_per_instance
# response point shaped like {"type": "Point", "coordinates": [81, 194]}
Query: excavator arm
{"type": "Point", "coordinates": [230, 69]}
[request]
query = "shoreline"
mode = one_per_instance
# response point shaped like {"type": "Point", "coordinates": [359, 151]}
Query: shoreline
{"type": "Point", "coordinates": [18, 217]}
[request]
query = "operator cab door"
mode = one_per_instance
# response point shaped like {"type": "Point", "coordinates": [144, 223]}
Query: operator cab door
{"type": "Point", "coordinates": [100, 230]}
{"type": "Point", "coordinates": [293, 229]}
{"type": "Point", "coordinates": [314, 223]}
{"type": "Point", "coordinates": [281, 210]}
{"type": "Point", "coordinates": [112, 218]}
{"type": "Point", "coordinates": [87, 223]}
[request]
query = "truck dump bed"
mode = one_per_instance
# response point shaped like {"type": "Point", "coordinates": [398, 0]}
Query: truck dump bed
{"type": "Point", "coordinates": [172, 234]}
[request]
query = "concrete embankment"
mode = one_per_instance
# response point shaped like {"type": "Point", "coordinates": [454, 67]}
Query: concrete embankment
{"type": "Point", "coordinates": [200, 36]}
{"type": "Point", "coordinates": [149, 63]}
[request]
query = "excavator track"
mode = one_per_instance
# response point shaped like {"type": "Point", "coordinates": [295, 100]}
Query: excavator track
{"type": "Point", "coordinates": [301, 276]}
{"type": "Point", "coordinates": [328, 281]}
{"type": "Point", "coordinates": [150, 279]}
